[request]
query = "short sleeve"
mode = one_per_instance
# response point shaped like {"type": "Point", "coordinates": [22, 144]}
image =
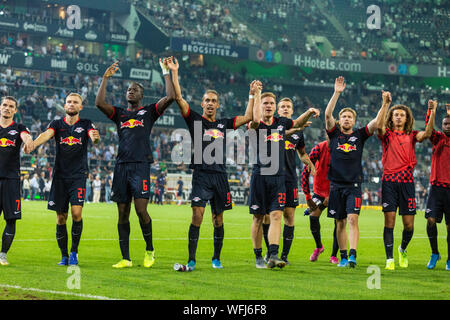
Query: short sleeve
{"type": "Point", "coordinates": [23, 128]}
{"type": "Point", "coordinates": [333, 132]}
{"type": "Point", "coordinates": [286, 122]}
{"type": "Point", "coordinates": [153, 111]}
{"type": "Point", "coordinates": [435, 137]}
{"type": "Point", "coordinates": [364, 132]}
{"type": "Point", "coordinates": [53, 125]}
{"type": "Point", "coordinates": [231, 123]}
{"type": "Point", "coordinates": [115, 115]}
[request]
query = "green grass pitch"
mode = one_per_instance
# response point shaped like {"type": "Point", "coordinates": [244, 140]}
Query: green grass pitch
{"type": "Point", "coordinates": [33, 272]}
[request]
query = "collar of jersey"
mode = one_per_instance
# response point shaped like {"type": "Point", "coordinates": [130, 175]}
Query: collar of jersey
{"type": "Point", "coordinates": [208, 119]}
{"type": "Point", "coordinates": [71, 124]}
{"type": "Point", "coordinates": [8, 125]}
{"type": "Point", "coordinates": [273, 119]}
{"type": "Point", "coordinates": [135, 110]}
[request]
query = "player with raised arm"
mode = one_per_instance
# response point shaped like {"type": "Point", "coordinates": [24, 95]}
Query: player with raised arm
{"type": "Point", "coordinates": [267, 184]}
{"type": "Point", "coordinates": [438, 203]}
{"type": "Point", "coordinates": [209, 180]}
{"type": "Point", "coordinates": [294, 146]}
{"type": "Point", "coordinates": [345, 171]}
{"type": "Point", "coordinates": [398, 141]}
{"type": "Point", "coordinates": [132, 169]}
{"type": "Point", "coordinates": [12, 135]}
{"type": "Point", "coordinates": [71, 135]}
{"type": "Point", "coordinates": [320, 157]}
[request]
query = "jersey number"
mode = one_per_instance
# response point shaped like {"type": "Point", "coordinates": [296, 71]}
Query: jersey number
{"type": "Point", "coordinates": [411, 203]}
{"type": "Point", "coordinates": [81, 193]}
{"type": "Point", "coordinates": [282, 198]}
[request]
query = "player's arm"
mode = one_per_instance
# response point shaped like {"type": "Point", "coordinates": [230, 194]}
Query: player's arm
{"type": "Point", "coordinates": [257, 109]}
{"type": "Point", "coordinates": [240, 120]}
{"type": "Point", "coordinates": [448, 108]}
{"type": "Point", "coordinates": [100, 99]}
{"type": "Point", "coordinates": [381, 116]}
{"type": "Point", "coordinates": [28, 142]}
{"type": "Point", "coordinates": [422, 135]}
{"type": "Point", "coordinates": [94, 135]}
{"type": "Point", "coordinates": [302, 120]}
{"type": "Point", "coordinates": [166, 101]}
{"type": "Point", "coordinates": [304, 157]}
{"type": "Point", "coordinates": [172, 64]}
{"type": "Point", "coordinates": [44, 137]}
{"type": "Point", "coordinates": [339, 86]}
{"type": "Point", "coordinates": [313, 157]}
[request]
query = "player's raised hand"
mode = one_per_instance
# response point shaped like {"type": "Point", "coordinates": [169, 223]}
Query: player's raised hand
{"type": "Point", "coordinates": [432, 104]}
{"type": "Point", "coordinates": [315, 112]}
{"type": "Point", "coordinates": [164, 66]}
{"type": "Point", "coordinates": [448, 108]}
{"type": "Point", "coordinates": [172, 63]}
{"type": "Point", "coordinates": [111, 70]}
{"type": "Point", "coordinates": [339, 84]}
{"type": "Point", "coordinates": [386, 96]}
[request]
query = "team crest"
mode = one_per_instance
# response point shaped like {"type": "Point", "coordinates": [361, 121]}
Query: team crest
{"type": "Point", "coordinates": [13, 132]}
{"type": "Point", "coordinates": [79, 130]}
{"type": "Point", "coordinates": [141, 113]}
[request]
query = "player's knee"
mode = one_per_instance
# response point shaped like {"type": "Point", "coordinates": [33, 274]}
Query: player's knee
{"type": "Point", "coordinates": [61, 218]}
{"type": "Point", "coordinates": [217, 220]}
{"type": "Point", "coordinates": [431, 222]}
{"type": "Point", "coordinates": [353, 221]}
{"type": "Point", "coordinates": [10, 226]}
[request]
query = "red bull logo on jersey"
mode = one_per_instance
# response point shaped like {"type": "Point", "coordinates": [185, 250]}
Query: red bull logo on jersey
{"type": "Point", "coordinates": [131, 123]}
{"type": "Point", "coordinates": [275, 137]}
{"type": "Point", "coordinates": [4, 142]}
{"type": "Point", "coordinates": [289, 145]}
{"type": "Point", "coordinates": [214, 133]}
{"type": "Point", "coordinates": [70, 141]}
{"type": "Point", "coordinates": [346, 147]}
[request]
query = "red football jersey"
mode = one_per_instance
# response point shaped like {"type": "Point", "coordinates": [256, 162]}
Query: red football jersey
{"type": "Point", "coordinates": [440, 160]}
{"type": "Point", "coordinates": [320, 157]}
{"type": "Point", "coordinates": [398, 152]}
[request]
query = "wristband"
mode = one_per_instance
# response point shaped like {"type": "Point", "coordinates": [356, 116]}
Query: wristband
{"type": "Point", "coordinates": [251, 96]}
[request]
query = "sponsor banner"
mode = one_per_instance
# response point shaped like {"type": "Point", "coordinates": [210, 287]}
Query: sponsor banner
{"type": "Point", "coordinates": [170, 121]}
{"type": "Point", "coordinates": [334, 64]}
{"type": "Point", "coordinates": [206, 47]}
{"type": "Point", "coordinates": [56, 30]}
{"type": "Point", "coordinates": [19, 60]}
{"type": "Point", "coordinates": [239, 195]}
{"type": "Point", "coordinates": [142, 74]}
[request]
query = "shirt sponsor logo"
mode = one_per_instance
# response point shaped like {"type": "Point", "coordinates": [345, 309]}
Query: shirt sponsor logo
{"type": "Point", "coordinates": [275, 137]}
{"type": "Point", "coordinates": [346, 147]}
{"type": "Point", "coordinates": [132, 123]}
{"type": "Point", "coordinates": [70, 141]}
{"type": "Point", "coordinates": [214, 133]}
{"type": "Point", "coordinates": [289, 145]}
{"type": "Point", "coordinates": [4, 142]}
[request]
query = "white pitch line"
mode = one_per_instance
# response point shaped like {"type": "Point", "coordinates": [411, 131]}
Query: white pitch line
{"type": "Point", "coordinates": [81, 295]}
{"type": "Point", "coordinates": [227, 238]}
